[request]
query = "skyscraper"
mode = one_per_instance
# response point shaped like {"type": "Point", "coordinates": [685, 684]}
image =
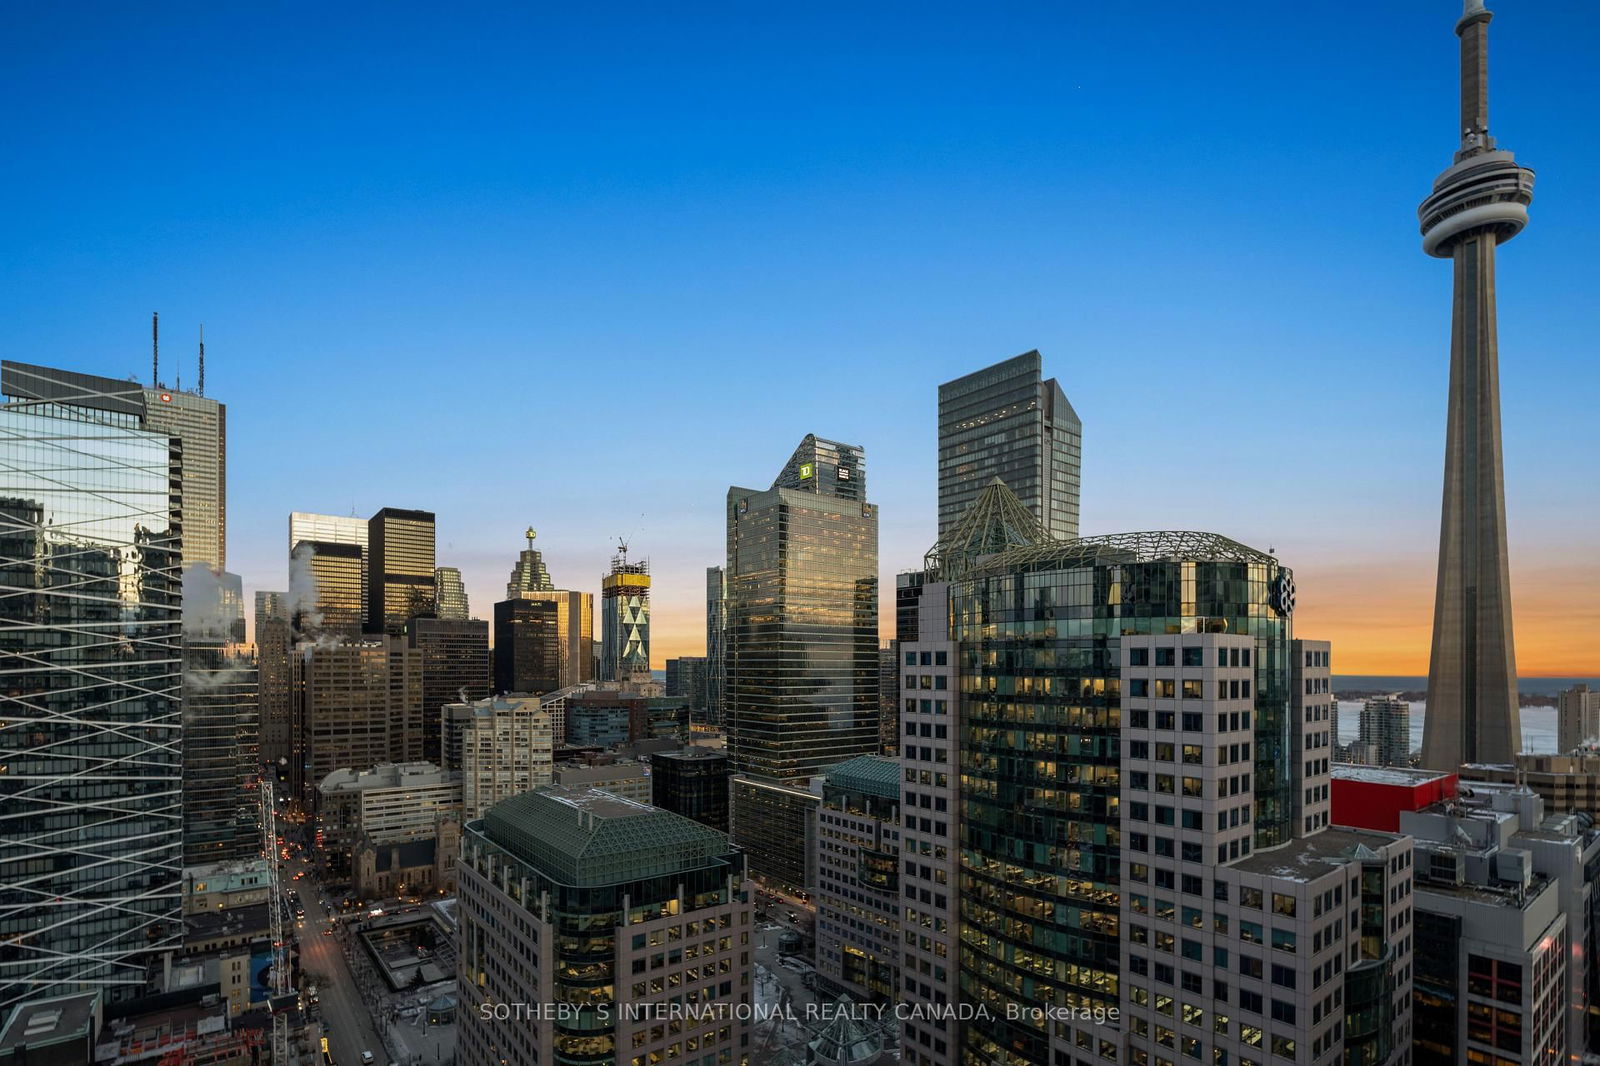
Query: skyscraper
{"type": "Point", "coordinates": [1038, 625]}
{"type": "Point", "coordinates": [325, 588]}
{"type": "Point", "coordinates": [455, 666]}
{"type": "Point", "coordinates": [625, 618]}
{"type": "Point", "coordinates": [530, 574]}
{"type": "Point", "coordinates": [527, 646]}
{"type": "Point", "coordinates": [1004, 421]}
{"type": "Point", "coordinates": [91, 711]}
{"type": "Point", "coordinates": [802, 644]}
{"type": "Point", "coordinates": [451, 600]}
{"type": "Point", "coordinates": [221, 724]}
{"type": "Point", "coordinates": [332, 529]}
{"type": "Point", "coordinates": [357, 705]}
{"type": "Point", "coordinates": [202, 424]}
{"type": "Point", "coordinates": [716, 667]}
{"type": "Point", "coordinates": [400, 566]}
{"type": "Point", "coordinates": [1477, 204]}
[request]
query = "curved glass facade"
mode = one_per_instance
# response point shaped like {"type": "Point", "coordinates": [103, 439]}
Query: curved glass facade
{"type": "Point", "coordinates": [90, 704]}
{"type": "Point", "coordinates": [1039, 785]}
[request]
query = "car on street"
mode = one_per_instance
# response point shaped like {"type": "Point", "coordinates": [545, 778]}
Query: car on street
{"type": "Point", "coordinates": [328, 931]}
{"type": "Point", "coordinates": [366, 1057]}
{"type": "Point", "coordinates": [793, 917]}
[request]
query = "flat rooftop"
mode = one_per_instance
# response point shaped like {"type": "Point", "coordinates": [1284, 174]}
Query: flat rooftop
{"type": "Point", "coordinates": [1385, 775]}
{"type": "Point", "coordinates": [50, 1021]}
{"type": "Point", "coordinates": [1308, 858]}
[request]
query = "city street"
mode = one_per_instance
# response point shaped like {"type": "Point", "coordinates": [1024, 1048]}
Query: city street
{"type": "Point", "coordinates": [349, 1025]}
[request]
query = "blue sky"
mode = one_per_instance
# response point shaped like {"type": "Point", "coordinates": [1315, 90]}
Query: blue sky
{"type": "Point", "coordinates": [586, 266]}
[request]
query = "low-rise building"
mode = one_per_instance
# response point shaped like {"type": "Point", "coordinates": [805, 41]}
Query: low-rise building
{"type": "Point", "coordinates": [388, 804]}
{"type": "Point", "coordinates": [630, 780]}
{"type": "Point", "coordinates": [220, 886]}
{"type": "Point", "coordinates": [1564, 782]}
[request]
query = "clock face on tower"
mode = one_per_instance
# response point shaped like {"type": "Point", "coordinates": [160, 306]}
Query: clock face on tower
{"type": "Point", "coordinates": [1283, 593]}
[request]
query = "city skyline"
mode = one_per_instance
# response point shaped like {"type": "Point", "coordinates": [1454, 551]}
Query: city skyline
{"type": "Point", "coordinates": [991, 257]}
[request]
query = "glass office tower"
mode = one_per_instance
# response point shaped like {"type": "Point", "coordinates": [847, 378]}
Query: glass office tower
{"type": "Point", "coordinates": [716, 665]}
{"type": "Point", "coordinates": [1005, 421]}
{"type": "Point", "coordinates": [333, 529]}
{"type": "Point", "coordinates": [90, 699]}
{"type": "Point", "coordinates": [802, 616]}
{"type": "Point", "coordinates": [1038, 628]}
{"type": "Point", "coordinates": [325, 588]}
{"type": "Point", "coordinates": [400, 566]}
{"type": "Point", "coordinates": [527, 646]}
{"type": "Point", "coordinates": [800, 646]}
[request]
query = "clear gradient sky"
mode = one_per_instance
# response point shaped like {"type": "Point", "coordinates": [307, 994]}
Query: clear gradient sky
{"type": "Point", "coordinates": [585, 266]}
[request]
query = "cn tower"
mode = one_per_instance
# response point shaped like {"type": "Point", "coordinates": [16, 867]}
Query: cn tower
{"type": "Point", "coordinates": [1479, 203]}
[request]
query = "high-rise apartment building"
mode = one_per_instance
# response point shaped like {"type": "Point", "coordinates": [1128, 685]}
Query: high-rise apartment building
{"type": "Point", "coordinates": [1577, 718]}
{"type": "Point", "coordinates": [357, 705]}
{"type": "Point", "coordinates": [91, 728]}
{"type": "Point", "coordinates": [692, 782]}
{"type": "Point", "coordinates": [527, 646]}
{"type": "Point", "coordinates": [502, 746]}
{"type": "Point", "coordinates": [858, 879]}
{"type": "Point", "coordinates": [1005, 422]}
{"type": "Point", "coordinates": [716, 664]}
{"type": "Point", "coordinates": [451, 595]}
{"type": "Point", "coordinates": [1385, 730]}
{"type": "Point", "coordinates": [325, 589]}
{"type": "Point", "coordinates": [1476, 205]}
{"type": "Point", "coordinates": [801, 645]}
{"type": "Point", "coordinates": [201, 423]}
{"type": "Point", "coordinates": [625, 618]}
{"type": "Point", "coordinates": [400, 565]}
{"type": "Point", "coordinates": [455, 666]}
{"type": "Point", "coordinates": [635, 918]}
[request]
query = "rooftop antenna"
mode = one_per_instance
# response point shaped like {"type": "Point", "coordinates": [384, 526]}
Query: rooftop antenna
{"type": "Point", "coordinates": [201, 389]}
{"type": "Point", "coordinates": [155, 349]}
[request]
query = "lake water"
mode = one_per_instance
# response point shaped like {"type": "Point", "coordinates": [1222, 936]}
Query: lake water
{"type": "Point", "coordinates": [1538, 726]}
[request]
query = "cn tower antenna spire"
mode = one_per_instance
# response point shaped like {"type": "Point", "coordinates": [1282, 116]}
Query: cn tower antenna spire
{"type": "Point", "coordinates": [1473, 29]}
{"type": "Point", "coordinates": [1478, 204]}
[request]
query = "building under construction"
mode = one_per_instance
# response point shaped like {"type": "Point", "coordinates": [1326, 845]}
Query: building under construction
{"type": "Point", "coordinates": [625, 618]}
